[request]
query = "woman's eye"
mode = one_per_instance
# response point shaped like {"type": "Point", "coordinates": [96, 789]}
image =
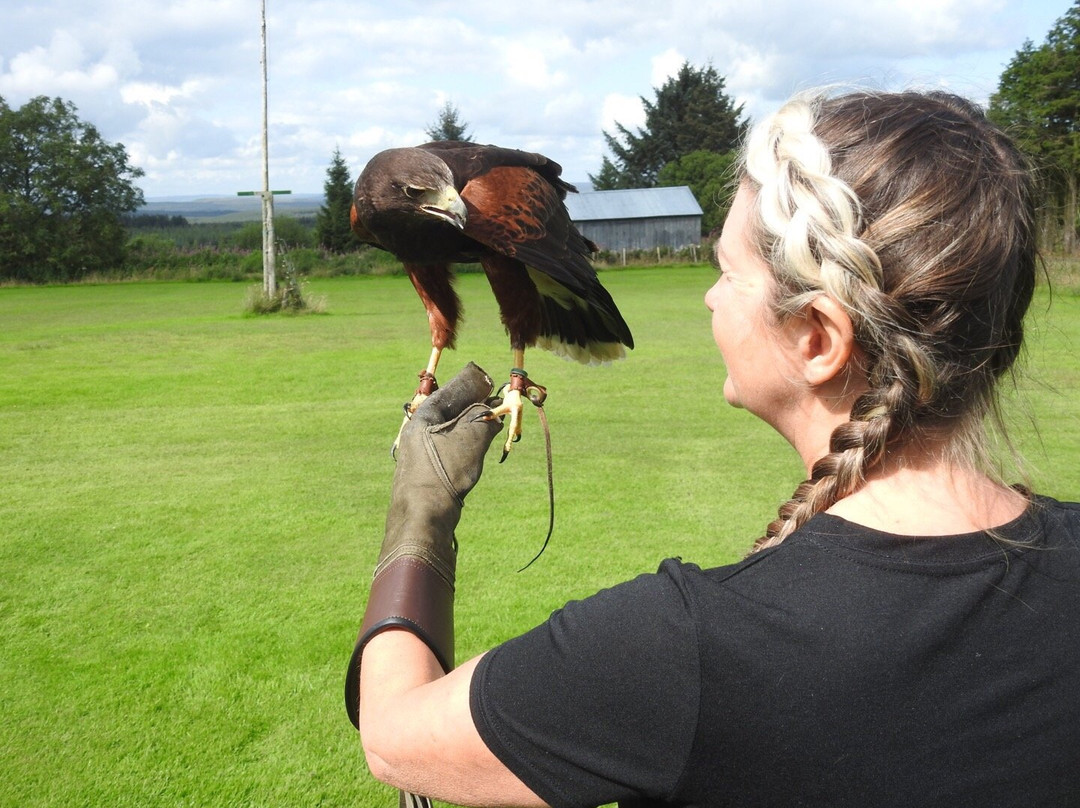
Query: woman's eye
{"type": "Point", "coordinates": [716, 264]}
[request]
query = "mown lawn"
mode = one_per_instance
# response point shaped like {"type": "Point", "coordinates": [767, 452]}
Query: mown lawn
{"type": "Point", "coordinates": [193, 500]}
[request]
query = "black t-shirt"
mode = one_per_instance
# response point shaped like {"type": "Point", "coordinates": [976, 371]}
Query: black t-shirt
{"type": "Point", "coordinates": [845, 667]}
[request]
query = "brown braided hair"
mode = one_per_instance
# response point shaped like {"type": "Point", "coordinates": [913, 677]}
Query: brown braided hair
{"type": "Point", "coordinates": [915, 214]}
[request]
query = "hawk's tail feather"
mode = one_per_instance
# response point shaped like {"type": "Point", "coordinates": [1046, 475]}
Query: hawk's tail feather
{"type": "Point", "coordinates": [592, 353]}
{"type": "Point", "coordinates": [577, 329]}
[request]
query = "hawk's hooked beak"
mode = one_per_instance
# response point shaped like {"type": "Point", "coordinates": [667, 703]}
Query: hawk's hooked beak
{"type": "Point", "coordinates": [446, 204]}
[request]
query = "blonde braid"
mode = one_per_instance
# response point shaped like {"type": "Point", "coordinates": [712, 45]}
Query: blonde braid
{"type": "Point", "coordinates": [808, 221]}
{"type": "Point", "coordinates": [916, 215]}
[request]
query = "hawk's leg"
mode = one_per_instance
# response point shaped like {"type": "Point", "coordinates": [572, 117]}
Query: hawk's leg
{"type": "Point", "coordinates": [513, 396]}
{"type": "Point", "coordinates": [427, 386]}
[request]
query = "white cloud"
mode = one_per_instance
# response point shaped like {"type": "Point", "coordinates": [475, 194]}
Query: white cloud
{"type": "Point", "coordinates": [369, 140]}
{"type": "Point", "coordinates": [150, 94]}
{"type": "Point", "coordinates": [665, 66]}
{"type": "Point", "coordinates": [624, 109]}
{"type": "Point", "coordinates": [60, 68]}
{"type": "Point", "coordinates": [177, 81]}
{"type": "Point", "coordinates": [527, 65]}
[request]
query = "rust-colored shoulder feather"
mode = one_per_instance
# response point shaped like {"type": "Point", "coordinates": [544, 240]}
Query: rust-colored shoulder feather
{"type": "Point", "coordinates": [509, 206]}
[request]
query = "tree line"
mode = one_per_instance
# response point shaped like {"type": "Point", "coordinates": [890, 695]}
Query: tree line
{"type": "Point", "coordinates": [1038, 101]}
{"type": "Point", "coordinates": [68, 198]}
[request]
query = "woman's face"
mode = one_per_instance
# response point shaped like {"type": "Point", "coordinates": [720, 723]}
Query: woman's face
{"type": "Point", "coordinates": [752, 345]}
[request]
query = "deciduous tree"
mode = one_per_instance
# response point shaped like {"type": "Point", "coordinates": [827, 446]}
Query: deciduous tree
{"type": "Point", "coordinates": [709, 176]}
{"type": "Point", "coordinates": [1038, 101]}
{"type": "Point", "coordinates": [63, 191]}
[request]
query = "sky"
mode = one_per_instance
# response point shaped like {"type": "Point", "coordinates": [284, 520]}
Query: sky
{"type": "Point", "coordinates": [179, 82]}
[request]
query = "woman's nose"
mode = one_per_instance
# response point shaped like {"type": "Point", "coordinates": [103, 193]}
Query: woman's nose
{"type": "Point", "coordinates": [710, 297]}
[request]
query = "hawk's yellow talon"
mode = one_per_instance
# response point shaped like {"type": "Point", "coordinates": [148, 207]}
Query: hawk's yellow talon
{"type": "Point", "coordinates": [513, 406]}
{"type": "Point", "coordinates": [410, 408]}
{"type": "Point", "coordinates": [513, 395]}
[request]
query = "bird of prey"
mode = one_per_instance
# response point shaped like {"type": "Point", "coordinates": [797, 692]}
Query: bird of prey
{"type": "Point", "coordinates": [450, 202]}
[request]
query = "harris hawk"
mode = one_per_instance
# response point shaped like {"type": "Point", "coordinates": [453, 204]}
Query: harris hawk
{"type": "Point", "coordinates": [450, 202]}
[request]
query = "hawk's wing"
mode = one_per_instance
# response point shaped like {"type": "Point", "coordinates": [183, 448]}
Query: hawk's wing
{"type": "Point", "coordinates": [515, 209]}
{"type": "Point", "coordinates": [470, 160]}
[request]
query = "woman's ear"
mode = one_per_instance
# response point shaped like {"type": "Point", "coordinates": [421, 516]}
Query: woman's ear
{"type": "Point", "coordinates": [826, 342]}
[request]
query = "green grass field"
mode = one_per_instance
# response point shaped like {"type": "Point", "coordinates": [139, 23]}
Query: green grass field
{"type": "Point", "coordinates": [193, 501]}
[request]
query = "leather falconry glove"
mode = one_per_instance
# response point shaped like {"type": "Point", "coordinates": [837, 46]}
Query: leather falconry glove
{"type": "Point", "coordinates": [439, 460]}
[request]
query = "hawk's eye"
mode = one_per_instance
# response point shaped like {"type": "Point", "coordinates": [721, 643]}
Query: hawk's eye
{"type": "Point", "coordinates": [412, 191]}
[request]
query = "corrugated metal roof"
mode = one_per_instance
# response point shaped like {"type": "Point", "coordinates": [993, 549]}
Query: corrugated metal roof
{"type": "Point", "coordinates": [635, 203]}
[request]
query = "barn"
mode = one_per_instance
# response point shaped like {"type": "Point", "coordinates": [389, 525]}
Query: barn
{"type": "Point", "coordinates": [638, 218]}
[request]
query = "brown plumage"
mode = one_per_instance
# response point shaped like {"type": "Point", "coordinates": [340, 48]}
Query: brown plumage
{"type": "Point", "coordinates": [450, 202]}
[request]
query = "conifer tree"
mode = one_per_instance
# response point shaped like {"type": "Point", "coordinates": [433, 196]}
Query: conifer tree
{"type": "Point", "coordinates": [449, 125]}
{"type": "Point", "coordinates": [332, 221]}
{"type": "Point", "coordinates": [691, 112]}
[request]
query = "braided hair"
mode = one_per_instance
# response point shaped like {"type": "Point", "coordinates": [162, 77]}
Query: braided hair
{"type": "Point", "coordinates": [916, 215]}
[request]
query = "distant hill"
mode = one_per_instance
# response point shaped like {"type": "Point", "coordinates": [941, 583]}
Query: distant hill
{"type": "Point", "coordinates": [198, 209]}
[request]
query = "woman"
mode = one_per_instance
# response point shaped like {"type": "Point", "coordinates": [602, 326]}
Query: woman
{"type": "Point", "coordinates": [906, 632]}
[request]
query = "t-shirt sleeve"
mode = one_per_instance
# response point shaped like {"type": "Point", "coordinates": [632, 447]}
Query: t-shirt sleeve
{"type": "Point", "coordinates": [600, 703]}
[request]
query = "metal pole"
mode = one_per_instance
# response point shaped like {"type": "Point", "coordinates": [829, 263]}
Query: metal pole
{"type": "Point", "coordinates": [269, 258]}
